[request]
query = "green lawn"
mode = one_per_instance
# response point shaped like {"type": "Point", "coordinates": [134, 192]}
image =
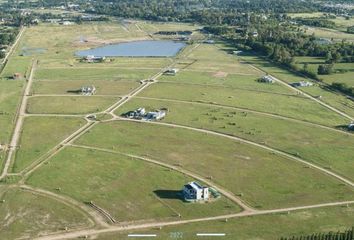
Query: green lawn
{"type": "Point", "coordinates": [241, 82]}
{"type": "Point", "coordinates": [40, 134]}
{"type": "Point", "coordinates": [294, 106]}
{"type": "Point", "coordinates": [314, 144]}
{"type": "Point", "coordinates": [126, 188]}
{"type": "Point", "coordinates": [93, 74]}
{"type": "Point", "coordinates": [263, 179]}
{"type": "Point", "coordinates": [69, 105]}
{"type": "Point", "coordinates": [113, 87]}
{"type": "Point", "coordinates": [267, 227]}
{"type": "Point", "coordinates": [25, 215]}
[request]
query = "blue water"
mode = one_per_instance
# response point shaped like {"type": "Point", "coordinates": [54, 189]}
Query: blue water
{"type": "Point", "coordinates": [136, 49]}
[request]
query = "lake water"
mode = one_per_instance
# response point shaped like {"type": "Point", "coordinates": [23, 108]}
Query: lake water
{"type": "Point", "coordinates": [136, 49]}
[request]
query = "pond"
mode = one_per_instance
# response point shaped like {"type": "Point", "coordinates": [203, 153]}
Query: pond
{"type": "Point", "coordinates": [151, 48]}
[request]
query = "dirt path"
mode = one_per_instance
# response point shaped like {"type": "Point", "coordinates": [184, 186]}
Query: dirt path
{"type": "Point", "coordinates": [220, 189]}
{"type": "Point", "coordinates": [323, 170]}
{"type": "Point", "coordinates": [19, 122]}
{"type": "Point", "coordinates": [94, 217]}
{"type": "Point", "coordinates": [252, 111]}
{"type": "Point", "coordinates": [22, 30]}
{"type": "Point", "coordinates": [122, 228]}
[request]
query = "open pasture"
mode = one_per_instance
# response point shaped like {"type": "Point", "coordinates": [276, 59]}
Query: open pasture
{"type": "Point", "coordinates": [260, 178]}
{"type": "Point", "coordinates": [129, 189]}
{"type": "Point", "coordinates": [294, 106]}
{"type": "Point", "coordinates": [324, 147]}
{"type": "Point", "coordinates": [39, 135]}
{"type": "Point", "coordinates": [25, 215]}
{"type": "Point", "coordinates": [112, 87]}
{"type": "Point", "coordinates": [69, 105]}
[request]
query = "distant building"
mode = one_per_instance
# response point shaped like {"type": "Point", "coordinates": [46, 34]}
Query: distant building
{"type": "Point", "coordinates": [209, 41]}
{"type": "Point", "coordinates": [172, 71]}
{"type": "Point", "coordinates": [16, 76]}
{"type": "Point", "coordinates": [254, 34]}
{"type": "Point", "coordinates": [93, 59]}
{"type": "Point", "coordinates": [88, 90]}
{"type": "Point", "coordinates": [66, 23]}
{"type": "Point", "coordinates": [141, 114]}
{"type": "Point", "coordinates": [193, 191]}
{"type": "Point", "coordinates": [267, 79]}
{"type": "Point", "coordinates": [302, 84]}
{"type": "Point", "coordinates": [351, 126]}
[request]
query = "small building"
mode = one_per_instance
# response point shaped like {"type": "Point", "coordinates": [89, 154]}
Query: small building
{"type": "Point", "coordinates": [66, 23]}
{"type": "Point", "coordinates": [172, 71]}
{"type": "Point", "coordinates": [302, 84]}
{"type": "Point", "coordinates": [16, 76]}
{"type": "Point", "coordinates": [209, 41]}
{"type": "Point", "coordinates": [88, 90]}
{"type": "Point", "coordinates": [93, 59]}
{"type": "Point", "coordinates": [193, 191]}
{"type": "Point", "coordinates": [254, 34]}
{"type": "Point", "coordinates": [351, 126]}
{"type": "Point", "coordinates": [267, 79]}
{"type": "Point", "coordinates": [137, 114]}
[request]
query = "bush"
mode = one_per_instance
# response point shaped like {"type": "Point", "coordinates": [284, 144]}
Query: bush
{"type": "Point", "coordinates": [325, 69]}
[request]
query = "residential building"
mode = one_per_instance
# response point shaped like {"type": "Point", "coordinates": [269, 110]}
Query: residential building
{"type": "Point", "coordinates": [267, 79]}
{"type": "Point", "coordinates": [172, 71]}
{"type": "Point", "coordinates": [193, 191]}
{"type": "Point", "coordinates": [302, 84]}
{"type": "Point", "coordinates": [88, 90]}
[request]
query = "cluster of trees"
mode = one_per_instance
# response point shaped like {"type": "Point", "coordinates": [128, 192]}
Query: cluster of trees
{"type": "Point", "coordinates": [316, 22]}
{"type": "Point", "coordinates": [347, 235]}
{"type": "Point", "coordinates": [350, 29]}
{"type": "Point", "coordinates": [342, 87]}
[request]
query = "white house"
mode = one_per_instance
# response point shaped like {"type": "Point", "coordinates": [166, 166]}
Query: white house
{"type": "Point", "coordinates": [193, 191]}
{"type": "Point", "coordinates": [302, 84]}
{"type": "Point", "coordinates": [172, 71]}
{"type": "Point", "coordinates": [92, 59]}
{"type": "Point", "coordinates": [351, 126]}
{"type": "Point", "coordinates": [267, 79]}
{"type": "Point", "coordinates": [88, 90]}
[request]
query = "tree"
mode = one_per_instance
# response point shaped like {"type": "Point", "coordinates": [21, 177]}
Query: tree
{"type": "Point", "coordinates": [325, 69]}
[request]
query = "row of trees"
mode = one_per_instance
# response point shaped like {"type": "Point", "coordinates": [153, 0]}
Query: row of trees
{"type": "Point", "coordinates": [347, 235]}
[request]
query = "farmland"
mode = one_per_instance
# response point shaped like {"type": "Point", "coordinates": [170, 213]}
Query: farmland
{"type": "Point", "coordinates": [272, 153]}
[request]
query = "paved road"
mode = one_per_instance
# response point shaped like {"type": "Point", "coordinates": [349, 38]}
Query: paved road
{"type": "Point", "coordinates": [220, 189]}
{"type": "Point", "coordinates": [19, 122]}
{"type": "Point", "coordinates": [120, 228]}
{"type": "Point", "coordinates": [328, 172]}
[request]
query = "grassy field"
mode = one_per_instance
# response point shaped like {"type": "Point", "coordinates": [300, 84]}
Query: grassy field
{"type": "Point", "coordinates": [25, 215]}
{"type": "Point", "coordinates": [93, 74]}
{"type": "Point", "coordinates": [69, 105]}
{"type": "Point", "coordinates": [242, 82]}
{"type": "Point", "coordinates": [111, 182]}
{"type": "Point", "coordinates": [294, 106]}
{"type": "Point", "coordinates": [321, 146]}
{"type": "Point", "coordinates": [269, 227]}
{"type": "Point", "coordinates": [40, 134]}
{"type": "Point", "coordinates": [261, 178]}
{"type": "Point", "coordinates": [112, 87]}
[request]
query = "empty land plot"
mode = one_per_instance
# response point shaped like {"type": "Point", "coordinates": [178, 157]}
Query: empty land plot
{"type": "Point", "coordinates": [242, 82]}
{"type": "Point", "coordinates": [40, 134]}
{"type": "Point", "coordinates": [329, 33]}
{"type": "Point", "coordinates": [25, 215]}
{"type": "Point", "coordinates": [69, 104]}
{"type": "Point", "coordinates": [127, 188]}
{"type": "Point", "coordinates": [260, 178]}
{"type": "Point", "coordinates": [299, 223]}
{"type": "Point", "coordinates": [336, 100]}
{"type": "Point", "coordinates": [9, 97]}
{"type": "Point", "coordinates": [292, 106]}
{"type": "Point", "coordinates": [324, 147]}
{"type": "Point", "coordinates": [112, 87]}
{"type": "Point", "coordinates": [211, 58]}
{"type": "Point", "coordinates": [93, 74]}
